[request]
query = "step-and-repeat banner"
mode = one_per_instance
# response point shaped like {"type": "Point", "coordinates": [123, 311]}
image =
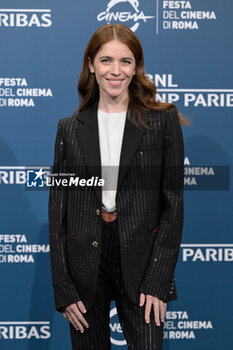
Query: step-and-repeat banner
{"type": "Point", "coordinates": [188, 55]}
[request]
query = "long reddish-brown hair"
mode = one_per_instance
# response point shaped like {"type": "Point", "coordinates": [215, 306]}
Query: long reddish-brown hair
{"type": "Point", "coordinates": [142, 92]}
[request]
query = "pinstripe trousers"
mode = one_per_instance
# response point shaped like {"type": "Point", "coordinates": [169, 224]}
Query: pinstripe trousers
{"type": "Point", "coordinates": [138, 334]}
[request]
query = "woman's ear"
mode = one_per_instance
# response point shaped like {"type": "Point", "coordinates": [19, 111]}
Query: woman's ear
{"type": "Point", "coordinates": [90, 65]}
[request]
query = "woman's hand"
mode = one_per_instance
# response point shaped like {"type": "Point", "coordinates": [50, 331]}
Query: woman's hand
{"type": "Point", "coordinates": [73, 314]}
{"type": "Point", "coordinates": [159, 306]}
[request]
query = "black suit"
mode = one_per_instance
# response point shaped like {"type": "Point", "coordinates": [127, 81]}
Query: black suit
{"type": "Point", "coordinates": [149, 194]}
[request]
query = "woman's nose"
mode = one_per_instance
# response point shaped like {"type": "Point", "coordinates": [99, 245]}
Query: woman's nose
{"type": "Point", "coordinates": [115, 69]}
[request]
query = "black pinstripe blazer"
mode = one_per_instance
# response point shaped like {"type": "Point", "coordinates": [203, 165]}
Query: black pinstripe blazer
{"type": "Point", "coordinates": [149, 204]}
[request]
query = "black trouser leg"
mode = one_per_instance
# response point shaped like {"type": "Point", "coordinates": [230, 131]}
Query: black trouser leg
{"type": "Point", "coordinates": [110, 286]}
{"type": "Point", "coordinates": [97, 336]}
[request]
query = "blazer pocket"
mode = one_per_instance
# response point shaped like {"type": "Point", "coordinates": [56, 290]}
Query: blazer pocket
{"type": "Point", "coordinates": [147, 147]}
{"type": "Point", "coordinates": [155, 229]}
{"type": "Point", "coordinates": [71, 237]}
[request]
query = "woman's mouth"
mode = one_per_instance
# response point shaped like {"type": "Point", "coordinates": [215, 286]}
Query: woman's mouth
{"type": "Point", "coordinates": [115, 82]}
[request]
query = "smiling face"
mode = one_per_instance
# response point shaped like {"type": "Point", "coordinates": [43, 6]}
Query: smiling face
{"type": "Point", "coordinates": [114, 67]}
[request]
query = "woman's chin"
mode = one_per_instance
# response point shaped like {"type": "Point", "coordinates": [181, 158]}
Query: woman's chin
{"type": "Point", "coordinates": [114, 93]}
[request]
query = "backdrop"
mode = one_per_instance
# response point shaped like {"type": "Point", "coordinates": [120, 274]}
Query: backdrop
{"type": "Point", "coordinates": [188, 54]}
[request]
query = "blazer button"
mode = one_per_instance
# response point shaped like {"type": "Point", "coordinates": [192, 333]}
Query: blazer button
{"type": "Point", "coordinates": [95, 244]}
{"type": "Point", "coordinates": [98, 212]}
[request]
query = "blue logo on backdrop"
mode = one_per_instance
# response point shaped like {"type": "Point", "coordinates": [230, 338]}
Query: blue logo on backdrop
{"type": "Point", "coordinates": [117, 337]}
{"type": "Point", "coordinates": [135, 15]}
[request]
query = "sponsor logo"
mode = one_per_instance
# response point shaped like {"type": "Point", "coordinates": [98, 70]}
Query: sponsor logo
{"type": "Point", "coordinates": [10, 175]}
{"type": "Point", "coordinates": [21, 330]}
{"type": "Point", "coordinates": [40, 18]}
{"type": "Point", "coordinates": [117, 337]}
{"type": "Point", "coordinates": [134, 16]}
{"type": "Point", "coordinates": [16, 92]}
{"type": "Point", "coordinates": [168, 90]}
{"type": "Point", "coordinates": [15, 249]}
{"type": "Point", "coordinates": [178, 325]}
{"type": "Point", "coordinates": [207, 252]}
{"type": "Point", "coordinates": [181, 15]}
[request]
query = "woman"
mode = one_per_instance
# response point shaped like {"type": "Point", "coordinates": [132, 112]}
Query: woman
{"type": "Point", "coordinates": [121, 242]}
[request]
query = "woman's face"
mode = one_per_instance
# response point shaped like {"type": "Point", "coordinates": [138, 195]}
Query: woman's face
{"type": "Point", "coordinates": [114, 67]}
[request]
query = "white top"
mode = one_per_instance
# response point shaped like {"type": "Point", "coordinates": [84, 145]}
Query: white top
{"type": "Point", "coordinates": [111, 129]}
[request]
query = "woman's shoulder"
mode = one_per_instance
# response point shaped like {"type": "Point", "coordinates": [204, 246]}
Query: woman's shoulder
{"type": "Point", "coordinates": [67, 122]}
{"type": "Point", "coordinates": [161, 115]}
{"type": "Point", "coordinates": [162, 112]}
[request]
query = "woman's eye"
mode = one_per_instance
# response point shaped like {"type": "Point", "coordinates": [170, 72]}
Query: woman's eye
{"type": "Point", "coordinates": [105, 60]}
{"type": "Point", "coordinates": [126, 62]}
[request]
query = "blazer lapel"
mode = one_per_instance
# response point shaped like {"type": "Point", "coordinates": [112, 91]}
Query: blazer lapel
{"type": "Point", "coordinates": [131, 139]}
{"type": "Point", "coordinates": [88, 136]}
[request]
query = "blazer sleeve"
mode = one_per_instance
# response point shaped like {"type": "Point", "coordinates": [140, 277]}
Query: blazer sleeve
{"type": "Point", "coordinates": [160, 273]}
{"type": "Point", "coordinates": [64, 290]}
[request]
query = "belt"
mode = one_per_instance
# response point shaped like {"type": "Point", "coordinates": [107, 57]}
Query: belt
{"type": "Point", "coordinates": [108, 216]}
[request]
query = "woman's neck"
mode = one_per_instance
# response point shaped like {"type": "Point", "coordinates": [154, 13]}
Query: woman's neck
{"type": "Point", "coordinates": [113, 106]}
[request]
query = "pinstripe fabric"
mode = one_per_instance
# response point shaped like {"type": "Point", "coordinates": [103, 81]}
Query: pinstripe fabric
{"type": "Point", "coordinates": [138, 334]}
{"type": "Point", "coordinates": [150, 194]}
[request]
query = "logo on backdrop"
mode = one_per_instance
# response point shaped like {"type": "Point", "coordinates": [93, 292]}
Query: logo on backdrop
{"type": "Point", "coordinates": [168, 90]}
{"type": "Point", "coordinates": [16, 249]}
{"type": "Point", "coordinates": [206, 177]}
{"type": "Point", "coordinates": [213, 252]}
{"type": "Point", "coordinates": [40, 18]}
{"type": "Point", "coordinates": [117, 337]}
{"type": "Point", "coordinates": [180, 15]}
{"type": "Point", "coordinates": [178, 325]}
{"type": "Point", "coordinates": [132, 17]}
{"type": "Point", "coordinates": [16, 92]}
{"type": "Point", "coordinates": [21, 330]}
